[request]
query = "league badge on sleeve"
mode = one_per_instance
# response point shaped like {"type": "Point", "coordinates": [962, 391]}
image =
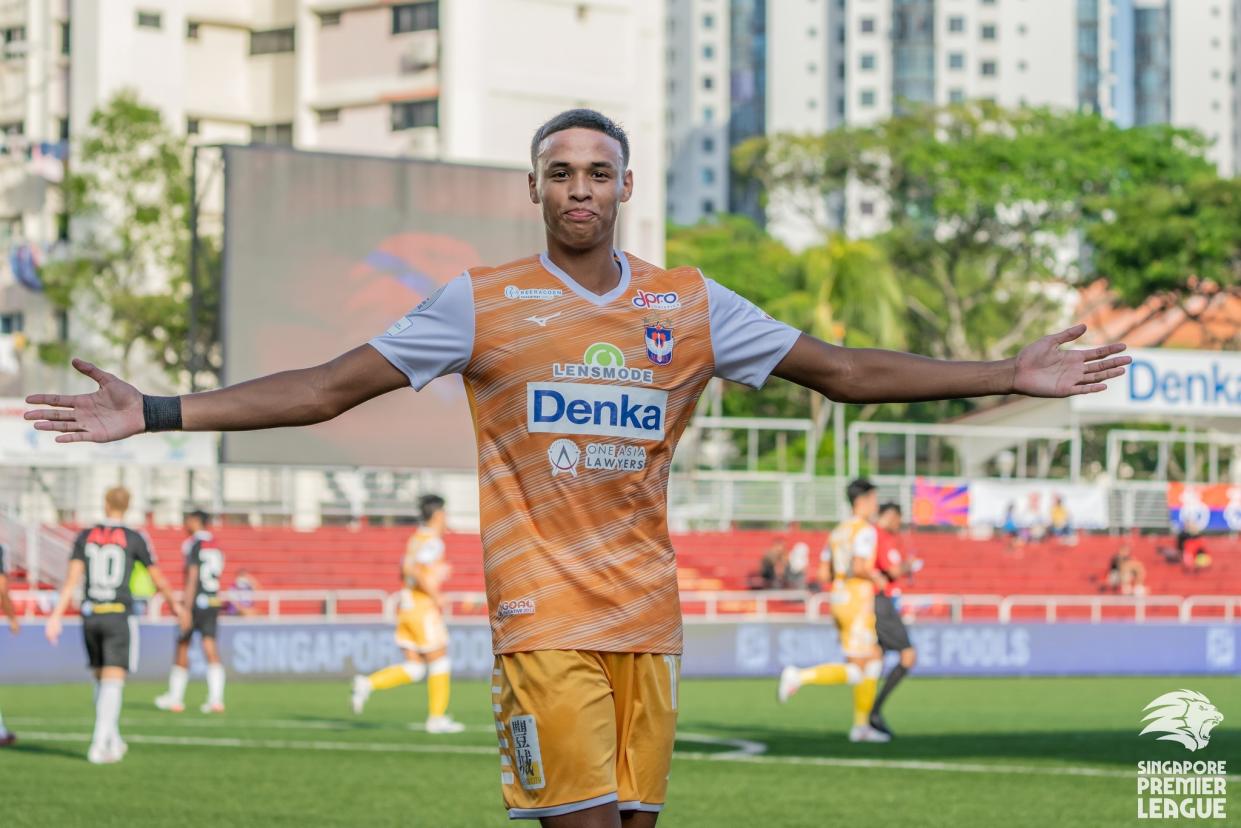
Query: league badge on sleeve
{"type": "Point", "coordinates": [659, 341]}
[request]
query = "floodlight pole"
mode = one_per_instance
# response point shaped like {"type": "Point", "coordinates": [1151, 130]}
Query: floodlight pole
{"type": "Point", "coordinates": [192, 326]}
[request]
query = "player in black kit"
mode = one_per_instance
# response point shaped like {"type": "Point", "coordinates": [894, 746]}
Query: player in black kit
{"type": "Point", "coordinates": [204, 566]}
{"type": "Point", "coordinates": [104, 556]}
{"type": "Point", "coordinates": [6, 606]}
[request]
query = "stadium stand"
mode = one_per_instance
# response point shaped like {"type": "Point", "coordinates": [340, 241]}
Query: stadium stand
{"type": "Point", "coordinates": [367, 559]}
{"type": "Point", "coordinates": [340, 558]}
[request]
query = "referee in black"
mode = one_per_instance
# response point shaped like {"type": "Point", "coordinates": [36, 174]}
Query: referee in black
{"type": "Point", "coordinates": [891, 564]}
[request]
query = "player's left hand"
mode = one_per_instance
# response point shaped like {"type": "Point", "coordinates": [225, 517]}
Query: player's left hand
{"type": "Point", "coordinates": [53, 630]}
{"type": "Point", "coordinates": [1044, 369]}
{"type": "Point", "coordinates": [14, 626]}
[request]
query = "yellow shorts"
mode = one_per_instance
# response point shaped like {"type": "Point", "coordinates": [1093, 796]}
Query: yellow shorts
{"type": "Point", "coordinates": [419, 624]}
{"type": "Point", "coordinates": [579, 729]}
{"type": "Point", "coordinates": [853, 609]}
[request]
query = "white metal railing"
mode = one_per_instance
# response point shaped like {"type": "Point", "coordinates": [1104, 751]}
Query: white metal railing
{"type": "Point", "coordinates": [1231, 605]}
{"type": "Point", "coordinates": [1051, 604]}
{"type": "Point", "coordinates": [257, 604]}
{"type": "Point", "coordinates": [716, 605]}
{"type": "Point", "coordinates": [306, 497]}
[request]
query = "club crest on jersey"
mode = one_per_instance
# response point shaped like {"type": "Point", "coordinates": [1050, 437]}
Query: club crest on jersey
{"type": "Point", "coordinates": [659, 341]}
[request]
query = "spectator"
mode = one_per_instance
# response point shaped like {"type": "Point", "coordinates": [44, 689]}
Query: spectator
{"type": "Point", "coordinates": [771, 571]}
{"type": "Point", "coordinates": [1192, 547]}
{"type": "Point", "coordinates": [1126, 575]}
{"type": "Point", "coordinates": [795, 571]}
{"type": "Point", "coordinates": [1061, 522]}
{"type": "Point", "coordinates": [1009, 527]}
{"type": "Point", "coordinates": [1014, 535]}
{"type": "Point", "coordinates": [1033, 527]}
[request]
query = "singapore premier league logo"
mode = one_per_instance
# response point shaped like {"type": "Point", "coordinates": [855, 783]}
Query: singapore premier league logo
{"type": "Point", "coordinates": [1184, 716]}
{"type": "Point", "coordinates": [1189, 788]}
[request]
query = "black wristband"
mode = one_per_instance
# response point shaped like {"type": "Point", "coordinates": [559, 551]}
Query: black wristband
{"type": "Point", "coordinates": [161, 413]}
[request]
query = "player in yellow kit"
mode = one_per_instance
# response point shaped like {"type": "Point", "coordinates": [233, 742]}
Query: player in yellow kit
{"type": "Point", "coordinates": [420, 630]}
{"type": "Point", "coordinates": [583, 365]}
{"type": "Point", "coordinates": [852, 571]}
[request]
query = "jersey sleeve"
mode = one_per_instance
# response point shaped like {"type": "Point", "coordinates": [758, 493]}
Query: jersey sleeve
{"type": "Point", "coordinates": [435, 338]}
{"type": "Point", "coordinates": [748, 344]}
{"type": "Point", "coordinates": [144, 551]}
{"type": "Point", "coordinates": [79, 546]}
{"type": "Point", "coordinates": [430, 551]}
{"type": "Point", "coordinates": [865, 543]}
{"type": "Point", "coordinates": [191, 552]}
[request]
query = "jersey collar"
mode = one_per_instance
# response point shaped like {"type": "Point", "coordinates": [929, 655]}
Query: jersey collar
{"type": "Point", "coordinates": [593, 298]}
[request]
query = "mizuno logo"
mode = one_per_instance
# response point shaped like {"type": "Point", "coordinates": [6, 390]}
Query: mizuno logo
{"type": "Point", "coordinates": [542, 321]}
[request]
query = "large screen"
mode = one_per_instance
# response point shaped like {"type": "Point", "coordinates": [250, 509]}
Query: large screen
{"type": "Point", "coordinates": [323, 252]}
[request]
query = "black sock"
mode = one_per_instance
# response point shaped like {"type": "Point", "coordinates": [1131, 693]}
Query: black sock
{"type": "Point", "coordinates": [889, 684]}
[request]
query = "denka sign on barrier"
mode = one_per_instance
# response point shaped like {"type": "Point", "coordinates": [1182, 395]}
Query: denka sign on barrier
{"type": "Point", "coordinates": [274, 650]}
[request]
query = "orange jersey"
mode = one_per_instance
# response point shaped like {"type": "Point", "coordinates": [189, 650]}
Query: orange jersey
{"type": "Point", "coordinates": [578, 402]}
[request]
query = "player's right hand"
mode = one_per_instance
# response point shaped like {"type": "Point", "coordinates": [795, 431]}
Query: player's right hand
{"type": "Point", "coordinates": [53, 629]}
{"type": "Point", "coordinates": [14, 626]}
{"type": "Point", "coordinates": [112, 412]}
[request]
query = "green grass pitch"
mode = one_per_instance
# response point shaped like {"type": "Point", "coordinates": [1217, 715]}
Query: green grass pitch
{"type": "Point", "coordinates": [986, 752]}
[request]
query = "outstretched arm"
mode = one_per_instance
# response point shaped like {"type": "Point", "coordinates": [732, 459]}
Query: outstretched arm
{"type": "Point", "coordinates": [289, 398]}
{"type": "Point", "coordinates": [865, 375]}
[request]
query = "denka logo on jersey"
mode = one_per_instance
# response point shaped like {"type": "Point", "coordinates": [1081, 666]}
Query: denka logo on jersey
{"type": "Point", "coordinates": [599, 410]}
{"type": "Point", "coordinates": [649, 300]}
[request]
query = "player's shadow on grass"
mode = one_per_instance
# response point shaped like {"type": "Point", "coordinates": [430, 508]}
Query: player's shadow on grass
{"type": "Point", "coordinates": [1105, 747]}
{"type": "Point", "coordinates": [44, 749]}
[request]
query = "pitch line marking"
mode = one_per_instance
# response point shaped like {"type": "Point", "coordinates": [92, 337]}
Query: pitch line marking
{"type": "Point", "coordinates": [735, 756]}
{"type": "Point", "coordinates": [175, 720]}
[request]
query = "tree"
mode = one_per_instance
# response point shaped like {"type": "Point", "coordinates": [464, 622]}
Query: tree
{"type": "Point", "coordinates": [982, 204]}
{"type": "Point", "coordinates": [127, 275]}
{"type": "Point", "coordinates": [1179, 245]}
{"type": "Point", "coordinates": [843, 291]}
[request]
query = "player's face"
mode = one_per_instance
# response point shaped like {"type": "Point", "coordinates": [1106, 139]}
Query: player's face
{"type": "Point", "coordinates": [581, 182]}
{"type": "Point", "coordinates": [867, 505]}
{"type": "Point", "coordinates": [890, 520]}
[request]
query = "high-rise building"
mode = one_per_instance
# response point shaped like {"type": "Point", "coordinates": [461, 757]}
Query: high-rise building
{"type": "Point", "coordinates": [698, 108]}
{"type": "Point", "coordinates": [453, 80]}
{"type": "Point", "coordinates": [814, 65]}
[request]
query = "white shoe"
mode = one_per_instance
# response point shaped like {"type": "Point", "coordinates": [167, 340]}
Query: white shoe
{"type": "Point", "coordinates": [361, 692]}
{"type": "Point", "coordinates": [119, 745]}
{"type": "Point", "coordinates": [443, 724]}
{"type": "Point", "coordinates": [212, 707]}
{"type": "Point", "coordinates": [790, 683]}
{"type": "Point", "coordinates": [866, 733]}
{"type": "Point", "coordinates": [100, 755]}
{"type": "Point", "coordinates": [167, 702]}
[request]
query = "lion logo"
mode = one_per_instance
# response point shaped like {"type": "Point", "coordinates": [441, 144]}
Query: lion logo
{"type": "Point", "coordinates": [1183, 716]}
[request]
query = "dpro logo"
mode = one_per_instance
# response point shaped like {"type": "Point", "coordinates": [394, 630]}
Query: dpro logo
{"type": "Point", "coordinates": [648, 300]}
{"type": "Point", "coordinates": [597, 410]}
